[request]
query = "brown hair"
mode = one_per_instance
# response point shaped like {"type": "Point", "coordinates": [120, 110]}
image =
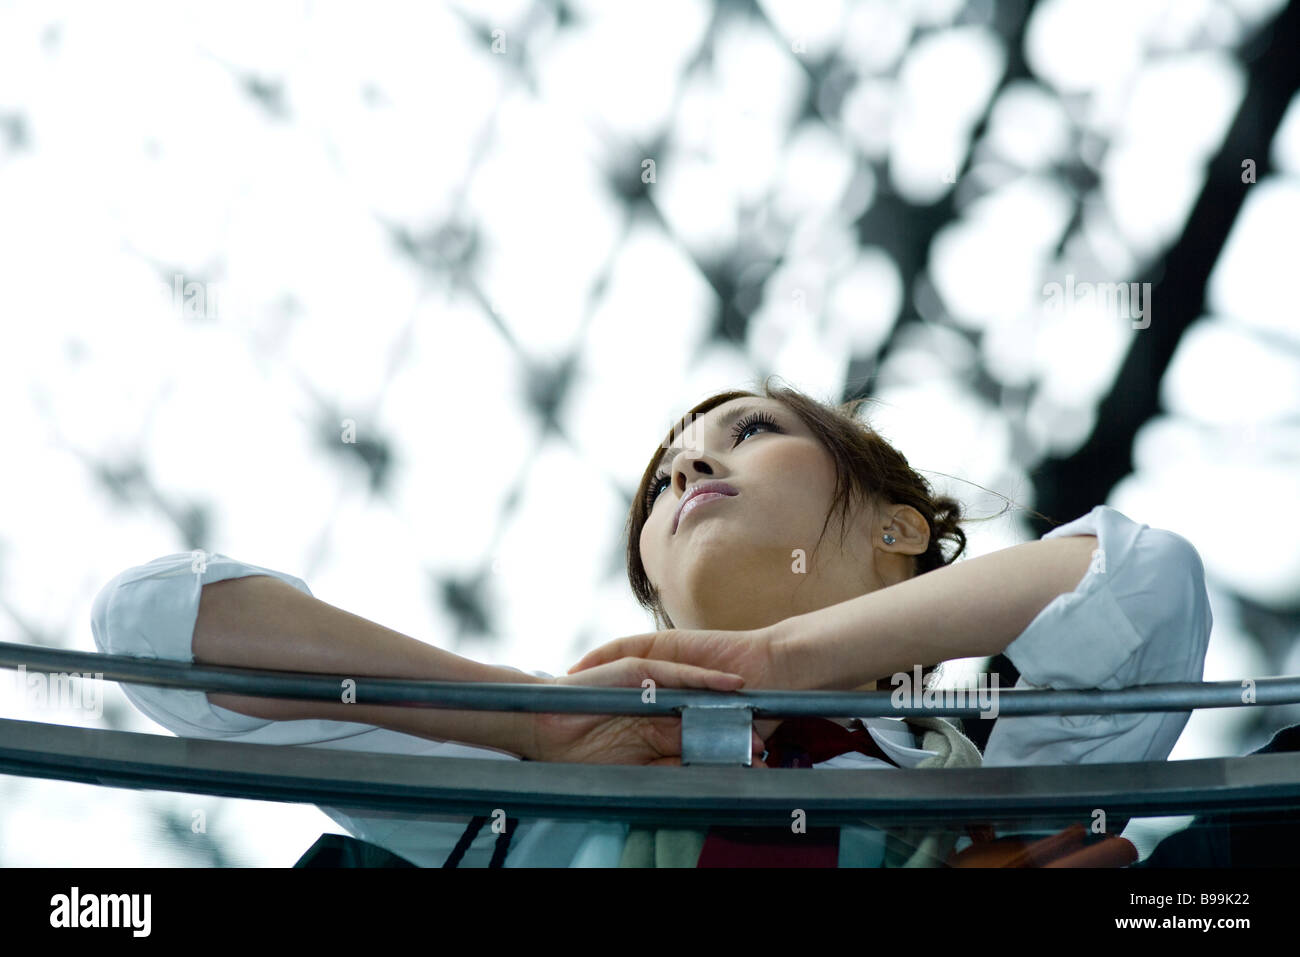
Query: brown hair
{"type": "Point", "coordinates": [866, 466]}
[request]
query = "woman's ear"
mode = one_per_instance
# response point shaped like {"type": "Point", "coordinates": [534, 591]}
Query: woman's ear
{"type": "Point", "coordinates": [909, 528]}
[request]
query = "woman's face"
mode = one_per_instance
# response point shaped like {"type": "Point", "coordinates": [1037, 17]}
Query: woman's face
{"type": "Point", "coordinates": [747, 560]}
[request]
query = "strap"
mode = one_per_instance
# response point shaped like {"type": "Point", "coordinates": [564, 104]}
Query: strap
{"type": "Point", "coordinates": [503, 843]}
{"type": "Point", "coordinates": [499, 850]}
{"type": "Point", "coordinates": [466, 839]}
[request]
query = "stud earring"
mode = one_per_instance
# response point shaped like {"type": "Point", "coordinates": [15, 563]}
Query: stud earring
{"type": "Point", "coordinates": [889, 539]}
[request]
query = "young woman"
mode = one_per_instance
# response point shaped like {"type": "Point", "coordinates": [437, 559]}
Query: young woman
{"type": "Point", "coordinates": [752, 586]}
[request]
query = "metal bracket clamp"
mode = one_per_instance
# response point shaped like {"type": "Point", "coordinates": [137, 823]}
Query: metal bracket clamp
{"type": "Point", "coordinates": [717, 734]}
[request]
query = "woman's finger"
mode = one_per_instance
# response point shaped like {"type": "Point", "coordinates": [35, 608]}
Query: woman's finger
{"type": "Point", "coordinates": [633, 646]}
{"type": "Point", "coordinates": [610, 651]}
{"type": "Point", "coordinates": [633, 672]}
{"type": "Point", "coordinates": [676, 675]}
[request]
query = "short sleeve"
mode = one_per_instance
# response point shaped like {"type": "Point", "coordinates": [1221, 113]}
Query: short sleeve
{"type": "Point", "coordinates": [150, 610]}
{"type": "Point", "coordinates": [1140, 615]}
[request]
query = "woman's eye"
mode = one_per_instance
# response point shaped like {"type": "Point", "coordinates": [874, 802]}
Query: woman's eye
{"type": "Point", "coordinates": [743, 427]}
{"type": "Point", "coordinates": [652, 494]}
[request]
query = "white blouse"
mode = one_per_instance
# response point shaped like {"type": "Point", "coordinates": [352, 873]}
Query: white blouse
{"type": "Point", "coordinates": [1140, 615]}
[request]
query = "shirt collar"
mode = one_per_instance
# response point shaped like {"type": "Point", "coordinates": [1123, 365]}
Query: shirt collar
{"type": "Point", "coordinates": [897, 739]}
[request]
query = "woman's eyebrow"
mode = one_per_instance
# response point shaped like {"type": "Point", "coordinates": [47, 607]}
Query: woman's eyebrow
{"type": "Point", "coordinates": [723, 422]}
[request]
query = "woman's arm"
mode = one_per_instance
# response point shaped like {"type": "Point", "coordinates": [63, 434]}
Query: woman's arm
{"type": "Point", "coordinates": [262, 622]}
{"type": "Point", "coordinates": [974, 608]}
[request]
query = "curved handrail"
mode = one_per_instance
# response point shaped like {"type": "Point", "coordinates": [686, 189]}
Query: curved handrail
{"type": "Point", "coordinates": [497, 696]}
{"type": "Point", "coordinates": [427, 786]}
{"type": "Point", "coordinates": [467, 785]}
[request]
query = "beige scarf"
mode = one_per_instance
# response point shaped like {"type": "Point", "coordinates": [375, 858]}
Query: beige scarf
{"type": "Point", "coordinates": [904, 847]}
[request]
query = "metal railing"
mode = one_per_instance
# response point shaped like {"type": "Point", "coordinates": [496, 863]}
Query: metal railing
{"type": "Point", "coordinates": [716, 730]}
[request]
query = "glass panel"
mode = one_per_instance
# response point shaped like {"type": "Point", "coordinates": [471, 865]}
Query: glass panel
{"type": "Point", "coordinates": [70, 824]}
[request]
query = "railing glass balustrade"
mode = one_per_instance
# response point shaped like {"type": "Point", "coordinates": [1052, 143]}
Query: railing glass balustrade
{"type": "Point", "coordinates": [1211, 812]}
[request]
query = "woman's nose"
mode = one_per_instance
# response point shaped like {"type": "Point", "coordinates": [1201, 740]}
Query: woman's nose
{"type": "Point", "coordinates": [699, 465]}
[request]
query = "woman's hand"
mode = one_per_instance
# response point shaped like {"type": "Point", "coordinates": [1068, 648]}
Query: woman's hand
{"type": "Point", "coordinates": [625, 738]}
{"type": "Point", "coordinates": [753, 654]}
{"type": "Point", "coordinates": [750, 654]}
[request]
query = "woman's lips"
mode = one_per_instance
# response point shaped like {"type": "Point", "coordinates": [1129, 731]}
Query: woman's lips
{"type": "Point", "coordinates": [695, 502]}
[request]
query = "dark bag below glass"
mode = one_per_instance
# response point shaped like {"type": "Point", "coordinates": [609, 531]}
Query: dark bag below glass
{"type": "Point", "coordinates": [1237, 839]}
{"type": "Point", "coordinates": [338, 850]}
